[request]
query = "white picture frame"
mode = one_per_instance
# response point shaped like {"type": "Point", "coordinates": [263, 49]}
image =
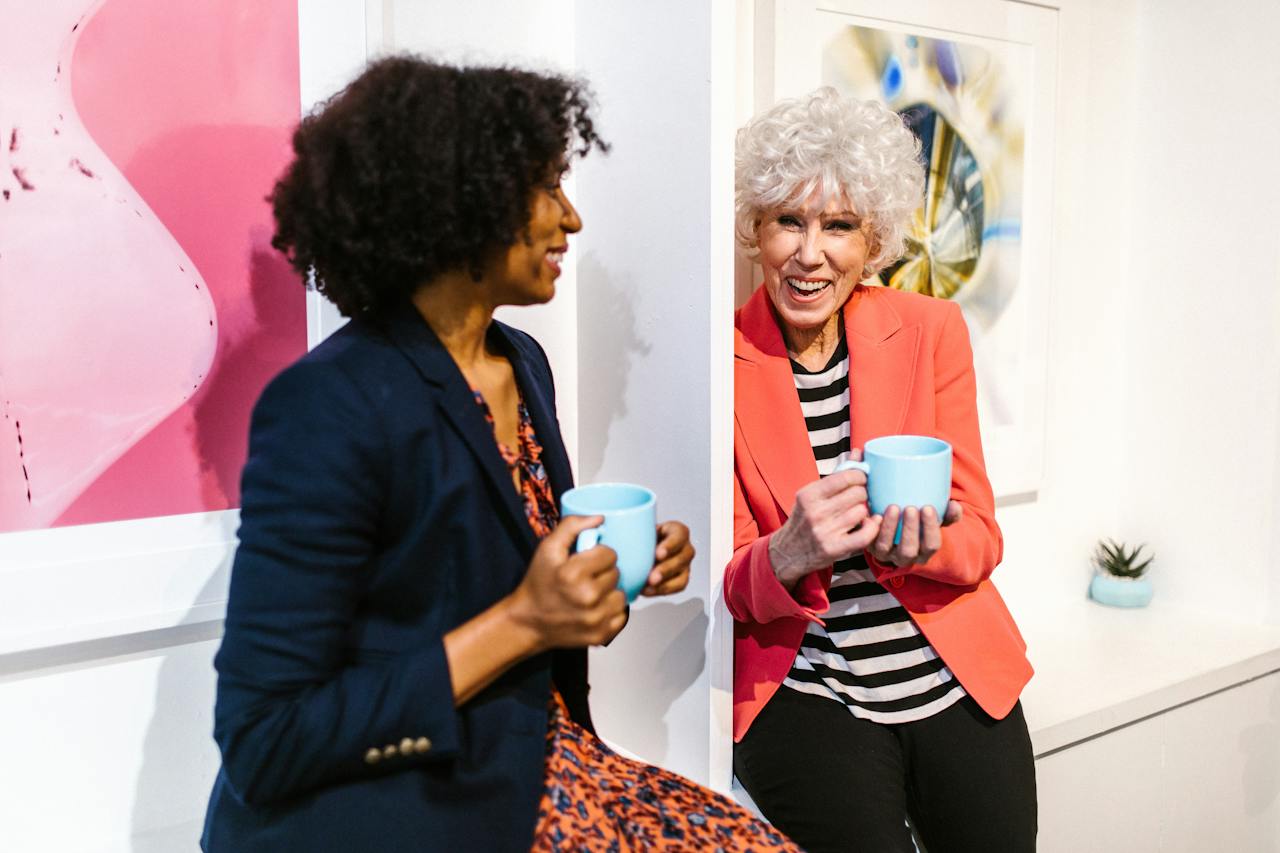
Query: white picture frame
{"type": "Point", "coordinates": [789, 47]}
{"type": "Point", "coordinates": [66, 588]}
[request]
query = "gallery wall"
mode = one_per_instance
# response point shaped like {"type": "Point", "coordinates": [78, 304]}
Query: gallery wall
{"type": "Point", "coordinates": [1162, 375]}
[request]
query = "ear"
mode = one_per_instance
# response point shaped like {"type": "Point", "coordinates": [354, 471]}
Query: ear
{"type": "Point", "coordinates": [873, 249]}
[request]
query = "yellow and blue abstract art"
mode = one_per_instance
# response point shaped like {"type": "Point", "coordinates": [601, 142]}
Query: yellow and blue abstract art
{"type": "Point", "coordinates": [966, 108]}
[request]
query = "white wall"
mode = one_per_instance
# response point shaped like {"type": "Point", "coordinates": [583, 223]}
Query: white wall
{"type": "Point", "coordinates": [1163, 411]}
{"type": "Point", "coordinates": [111, 750]}
{"type": "Point", "coordinates": [1162, 415]}
{"type": "Point", "coordinates": [1202, 377]}
{"type": "Point", "coordinates": [647, 355]}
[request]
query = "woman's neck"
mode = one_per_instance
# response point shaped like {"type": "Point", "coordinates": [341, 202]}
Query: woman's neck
{"type": "Point", "coordinates": [813, 348]}
{"type": "Point", "coordinates": [455, 307]}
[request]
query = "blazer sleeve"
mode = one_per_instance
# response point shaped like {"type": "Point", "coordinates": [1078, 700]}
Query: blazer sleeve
{"type": "Point", "coordinates": [973, 547]}
{"type": "Point", "coordinates": [752, 590]}
{"type": "Point", "coordinates": [294, 711]}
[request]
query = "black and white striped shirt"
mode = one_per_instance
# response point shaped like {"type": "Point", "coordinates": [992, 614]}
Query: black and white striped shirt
{"type": "Point", "coordinates": [870, 655]}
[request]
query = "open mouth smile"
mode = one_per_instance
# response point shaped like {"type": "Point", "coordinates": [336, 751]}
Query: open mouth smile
{"type": "Point", "coordinates": [804, 289]}
{"type": "Point", "coordinates": [555, 257]}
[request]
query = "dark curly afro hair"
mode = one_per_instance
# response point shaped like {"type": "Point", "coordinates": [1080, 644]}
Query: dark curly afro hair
{"type": "Point", "coordinates": [419, 168]}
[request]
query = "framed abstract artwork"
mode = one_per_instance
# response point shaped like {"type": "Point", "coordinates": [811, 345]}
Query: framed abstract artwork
{"type": "Point", "coordinates": [975, 81]}
{"type": "Point", "coordinates": [142, 307]}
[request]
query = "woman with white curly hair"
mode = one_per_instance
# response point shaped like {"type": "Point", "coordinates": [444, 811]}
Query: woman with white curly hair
{"type": "Point", "coordinates": [874, 681]}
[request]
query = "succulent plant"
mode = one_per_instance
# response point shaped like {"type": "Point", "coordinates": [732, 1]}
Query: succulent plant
{"type": "Point", "coordinates": [1115, 559]}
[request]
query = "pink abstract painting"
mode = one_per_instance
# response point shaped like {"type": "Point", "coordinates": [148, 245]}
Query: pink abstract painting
{"type": "Point", "coordinates": [142, 308]}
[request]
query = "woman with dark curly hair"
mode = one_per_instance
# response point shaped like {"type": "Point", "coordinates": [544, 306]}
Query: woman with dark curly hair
{"type": "Point", "coordinates": [404, 665]}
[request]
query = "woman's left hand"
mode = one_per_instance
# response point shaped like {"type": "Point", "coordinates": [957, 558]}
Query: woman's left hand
{"type": "Point", "coordinates": [671, 560]}
{"type": "Point", "coordinates": [921, 534]}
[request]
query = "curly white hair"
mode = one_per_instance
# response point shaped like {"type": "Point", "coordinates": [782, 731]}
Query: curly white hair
{"type": "Point", "coordinates": [843, 147]}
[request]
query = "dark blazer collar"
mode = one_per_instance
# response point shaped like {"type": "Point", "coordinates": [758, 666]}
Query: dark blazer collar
{"type": "Point", "coordinates": [882, 361]}
{"type": "Point", "coordinates": [409, 332]}
{"type": "Point", "coordinates": [537, 387]}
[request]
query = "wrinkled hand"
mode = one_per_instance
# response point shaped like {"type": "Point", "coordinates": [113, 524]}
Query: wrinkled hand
{"type": "Point", "coordinates": [571, 600]}
{"type": "Point", "coordinates": [830, 521]}
{"type": "Point", "coordinates": [671, 560]}
{"type": "Point", "coordinates": [921, 534]}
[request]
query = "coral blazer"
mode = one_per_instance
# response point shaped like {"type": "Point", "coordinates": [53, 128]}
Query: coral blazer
{"type": "Point", "coordinates": [910, 371]}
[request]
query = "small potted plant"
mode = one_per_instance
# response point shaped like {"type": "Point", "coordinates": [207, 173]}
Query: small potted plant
{"type": "Point", "coordinates": [1119, 579]}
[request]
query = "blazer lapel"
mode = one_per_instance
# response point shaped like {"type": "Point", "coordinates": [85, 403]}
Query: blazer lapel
{"type": "Point", "coordinates": [766, 406]}
{"type": "Point", "coordinates": [882, 365]}
{"type": "Point", "coordinates": [457, 405]}
{"type": "Point", "coordinates": [537, 394]}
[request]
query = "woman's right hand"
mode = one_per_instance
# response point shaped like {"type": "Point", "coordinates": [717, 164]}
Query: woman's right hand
{"type": "Point", "coordinates": [830, 521]}
{"type": "Point", "coordinates": [570, 600]}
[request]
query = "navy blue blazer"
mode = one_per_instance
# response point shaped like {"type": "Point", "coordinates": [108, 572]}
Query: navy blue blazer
{"type": "Point", "coordinates": [378, 515]}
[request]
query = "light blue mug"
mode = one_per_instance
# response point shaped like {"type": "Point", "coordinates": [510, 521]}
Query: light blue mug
{"type": "Point", "coordinates": [903, 471]}
{"type": "Point", "coordinates": [630, 527]}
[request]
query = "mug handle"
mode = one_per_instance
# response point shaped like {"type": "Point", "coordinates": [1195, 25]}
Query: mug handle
{"type": "Point", "coordinates": [850, 464]}
{"type": "Point", "coordinates": [587, 540]}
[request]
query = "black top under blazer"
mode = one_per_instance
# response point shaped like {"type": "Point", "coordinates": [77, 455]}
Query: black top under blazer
{"type": "Point", "coordinates": [378, 515]}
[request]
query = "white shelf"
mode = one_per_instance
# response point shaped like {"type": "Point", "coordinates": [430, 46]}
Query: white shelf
{"type": "Point", "coordinates": [1098, 668]}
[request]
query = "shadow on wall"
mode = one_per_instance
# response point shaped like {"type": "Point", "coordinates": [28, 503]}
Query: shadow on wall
{"type": "Point", "coordinates": [179, 757]}
{"type": "Point", "coordinates": [607, 342]}
{"type": "Point", "coordinates": [219, 410]}
{"type": "Point", "coordinates": [667, 643]}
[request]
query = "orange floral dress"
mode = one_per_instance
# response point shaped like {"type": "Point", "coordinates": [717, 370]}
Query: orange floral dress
{"type": "Point", "coordinates": [594, 799]}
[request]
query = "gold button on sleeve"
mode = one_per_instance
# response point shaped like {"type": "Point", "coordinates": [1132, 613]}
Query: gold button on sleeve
{"type": "Point", "coordinates": [373, 756]}
{"type": "Point", "coordinates": [421, 745]}
{"type": "Point", "coordinates": [389, 751]}
{"type": "Point", "coordinates": [406, 746]}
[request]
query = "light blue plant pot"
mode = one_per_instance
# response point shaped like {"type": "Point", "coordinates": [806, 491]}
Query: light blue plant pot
{"type": "Point", "coordinates": [1120, 592]}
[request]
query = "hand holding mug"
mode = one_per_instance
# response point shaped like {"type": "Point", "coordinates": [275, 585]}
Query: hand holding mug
{"type": "Point", "coordinates": [830, 521]}
{"type": "Point", "coordinates": [571, 600]}
{"type": "Point", "coordinates": [909, 486]}
{"type": "Point", "coordinates": [921, 534]}
{"type": "Point", "coordinates": [629, 527]}
{"type": "Point", "coordinates": [671, 560]}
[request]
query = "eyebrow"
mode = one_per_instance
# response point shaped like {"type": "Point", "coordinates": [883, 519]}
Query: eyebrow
{"type": "Point", "coordinates": [795, 211]}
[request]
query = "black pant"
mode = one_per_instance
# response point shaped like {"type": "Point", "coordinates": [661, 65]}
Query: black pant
{"type": "Point", "coordinates": [834, 782]}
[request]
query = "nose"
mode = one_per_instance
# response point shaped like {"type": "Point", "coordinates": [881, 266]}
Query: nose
{"type": "Point", "coordinates": [570, 221]}
{"type": "Point", "coordinates": [809, 253]}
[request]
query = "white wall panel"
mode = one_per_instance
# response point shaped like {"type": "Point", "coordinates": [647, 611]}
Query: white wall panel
{"type": "Point", "coordinates": [1202, 303]}
{"type": "Point", "coordinates": [1202, 777]}
{"type": "Point", "coordinates": [645, 300]}
{"type": "Point", "coordinates": [110, 755]}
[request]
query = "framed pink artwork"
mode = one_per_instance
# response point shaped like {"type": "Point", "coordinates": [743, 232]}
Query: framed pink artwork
{"type": "Point", "coordinates": [142, 307]}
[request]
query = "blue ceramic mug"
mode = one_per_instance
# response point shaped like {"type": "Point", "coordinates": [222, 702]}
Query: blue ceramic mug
{"type": "Point", "coordinates": [903, 471]}
{"type": "Point", "coordinates": [630, 527]}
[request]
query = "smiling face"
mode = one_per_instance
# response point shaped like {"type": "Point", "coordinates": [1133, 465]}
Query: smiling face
{"type": "Point", "coordinates": [813, 257]}
{"type": "Point", "coordinates": [528, 268]}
